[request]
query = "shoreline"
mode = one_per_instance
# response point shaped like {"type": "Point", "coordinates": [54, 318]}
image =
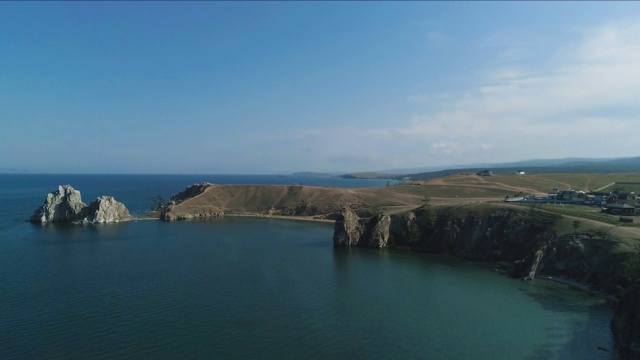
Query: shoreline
{"type": "Point", "coordinates": [253, 215]}
{"type": "Point", "coordinates": [284, 217]}
{"type": "Point", "coordinates": [567, 282]}
{"type": "Point", "coordinates": [570, 283]}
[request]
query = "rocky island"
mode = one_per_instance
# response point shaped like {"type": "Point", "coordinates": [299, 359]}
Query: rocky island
{"type": "Point", "coordinates": [65, 206]}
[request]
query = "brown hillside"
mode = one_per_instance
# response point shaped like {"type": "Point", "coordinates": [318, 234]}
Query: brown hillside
{"type": "Point", "coordinates": [285, 200]}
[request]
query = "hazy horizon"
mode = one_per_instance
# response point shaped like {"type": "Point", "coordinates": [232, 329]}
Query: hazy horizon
{"type": "Point", "coordinates": [283, 87]}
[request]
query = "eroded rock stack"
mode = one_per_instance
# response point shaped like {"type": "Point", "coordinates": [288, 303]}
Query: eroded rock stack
{"type": "Point", "coordinates": [105, 209]}
{"type": "Point", "coordinates": [65, 206]}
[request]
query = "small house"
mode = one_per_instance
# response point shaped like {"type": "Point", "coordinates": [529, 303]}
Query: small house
{"type": "Point", "coordinates": [619, 209]}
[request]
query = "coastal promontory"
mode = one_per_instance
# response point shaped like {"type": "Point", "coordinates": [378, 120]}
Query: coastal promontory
{"type": "Point", "coordinates": [65, 206]}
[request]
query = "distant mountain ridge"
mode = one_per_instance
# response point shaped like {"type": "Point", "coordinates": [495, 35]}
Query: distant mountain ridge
{"type": "Point", "coordinates": [521, 163]}
{"type": "Point", "coordinates": [571, 165]}
{"type": "Point", "coordinates": [566, 165]}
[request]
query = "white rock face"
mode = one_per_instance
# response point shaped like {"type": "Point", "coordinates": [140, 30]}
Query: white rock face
{"type": "Point", "coordinates": [105, 209]}
{"type": "Point", "coordinates": [66, 206]}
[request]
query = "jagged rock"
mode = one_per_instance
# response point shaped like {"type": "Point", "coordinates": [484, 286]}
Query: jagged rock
{"type": "Point", "coordinates": [347, 229]}
{"type": "Point", "coordinates": [379, 235]}
{"type": "Point", "coordinates": [66, 206]}
{"type": "Point", "coordinates": [105, 209]}
{"type": "Point", "coordinates": [534, 265]}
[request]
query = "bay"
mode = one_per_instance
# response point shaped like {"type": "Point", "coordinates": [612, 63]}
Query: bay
{"type": "Point", "coordinates": [259, 288]}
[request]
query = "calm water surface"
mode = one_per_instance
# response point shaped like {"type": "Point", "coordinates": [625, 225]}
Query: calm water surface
{"type": "Point", "coordinates": [259, 288]}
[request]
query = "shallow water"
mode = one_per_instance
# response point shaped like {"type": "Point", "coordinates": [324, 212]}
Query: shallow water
{"type": "Point", "coordinates": [266, 288]}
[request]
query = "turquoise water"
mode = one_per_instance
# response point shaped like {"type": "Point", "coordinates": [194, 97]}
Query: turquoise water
{"type": "Point", "coordinates": [264, 288]}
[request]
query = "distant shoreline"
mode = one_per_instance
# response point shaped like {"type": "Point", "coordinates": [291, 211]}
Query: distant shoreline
{"type": "Point", "coordinates": [298, 218]}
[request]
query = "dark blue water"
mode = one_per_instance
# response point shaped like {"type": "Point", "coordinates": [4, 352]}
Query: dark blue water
{"type": "Point", "coordinates": [259, 288]}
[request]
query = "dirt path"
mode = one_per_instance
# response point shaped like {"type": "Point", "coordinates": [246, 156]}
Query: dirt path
{"type": "Point", "coordinates": [555, 182]}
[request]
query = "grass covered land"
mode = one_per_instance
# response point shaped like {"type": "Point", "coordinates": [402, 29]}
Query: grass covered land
{"type": "Point", "coordinates": [462, 192]}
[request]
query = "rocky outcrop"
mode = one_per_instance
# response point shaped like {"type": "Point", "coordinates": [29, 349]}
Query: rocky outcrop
{"type": "Point", "coordinates": [105, 209]}
{"type": "Point", "coordinates": [167, 215]}
{"type": "Point", "coordinates": [173, 212]}
{"type": "Point", "coordinates": [625, 324]}
{"type": "Point", "coordinates": [66, 206]}
{"type": "Point", "coordinates": [188, 193]}
{"type": "Point", "coordinates": [522, 239]}
{"type": "Point", "coordinates": [348, 229]}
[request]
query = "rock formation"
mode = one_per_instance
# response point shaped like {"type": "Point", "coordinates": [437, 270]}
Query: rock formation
{"type": "Point", "coordinates": [347, 229]}
{"type": "Point", "coordinates": [174, 212]}
{"type": "Point", "coordinates": [66, 206]}
{"type": "Point", "coordinates": [523, 240]}
{"type": "Point", "coordinates": [105, 209]}
{"type": "Point", "coordinates": [350, 230]}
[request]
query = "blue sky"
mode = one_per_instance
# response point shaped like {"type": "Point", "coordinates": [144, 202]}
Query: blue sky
{"type": "Point", "coordinates": [206, 87]}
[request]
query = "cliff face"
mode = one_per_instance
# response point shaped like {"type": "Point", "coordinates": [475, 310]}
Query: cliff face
{"type": "Point", "coordinates": [66, 206]}
{"type": "Point", "coordinates": [625, 325]}
{"type": "Point", "coordinates": [350, 230]}
{"type": "Point", "coordinates": [523, 239]}
{"type": "Point", "coordinates": [105, 209]}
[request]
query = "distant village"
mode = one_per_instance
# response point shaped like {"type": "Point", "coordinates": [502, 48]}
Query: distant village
{"type": "Point", "coordinates": [613, 202]}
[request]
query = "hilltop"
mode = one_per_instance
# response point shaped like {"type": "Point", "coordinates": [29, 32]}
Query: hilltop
{"type": "Point", "coordinates": [458, 191]}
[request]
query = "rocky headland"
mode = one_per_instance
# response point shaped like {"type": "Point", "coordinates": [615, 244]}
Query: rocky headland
{"type": "Point", "coordinates": [531, 243]}
{"type": "Point", "coordinates": [211, 200]}
{"type": "Point", "coordinates": [65, 206]}
{"type": "Point", "coordinates": [523, 240]}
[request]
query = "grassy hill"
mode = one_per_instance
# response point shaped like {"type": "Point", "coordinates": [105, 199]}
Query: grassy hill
{"type": "Point", "coordinates": [457, 191]}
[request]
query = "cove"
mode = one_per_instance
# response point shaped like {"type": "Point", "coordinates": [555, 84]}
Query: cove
{"type": "Point", "coordinates": [267, 288]}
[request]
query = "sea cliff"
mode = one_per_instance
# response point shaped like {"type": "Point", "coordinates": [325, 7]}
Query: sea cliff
{"type": "Point", "coordinates": [524, 240]}
{"type": "Point", "coordinates": [625, 325]}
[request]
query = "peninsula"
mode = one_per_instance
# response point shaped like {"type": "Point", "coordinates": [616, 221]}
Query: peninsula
{"type": "Point", "coordinates": [517, 221]}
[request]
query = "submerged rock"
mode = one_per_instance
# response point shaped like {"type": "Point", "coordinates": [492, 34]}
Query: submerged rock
{"type": "Point", "coordinates": [66, 206]}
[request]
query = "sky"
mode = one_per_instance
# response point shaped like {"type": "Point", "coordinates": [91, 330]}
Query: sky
{"type": "Point", "coordinates": [280, 87]}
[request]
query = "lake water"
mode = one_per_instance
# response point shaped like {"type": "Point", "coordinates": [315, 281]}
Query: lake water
{"type": "Point", "coordinates": [259, 288]}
